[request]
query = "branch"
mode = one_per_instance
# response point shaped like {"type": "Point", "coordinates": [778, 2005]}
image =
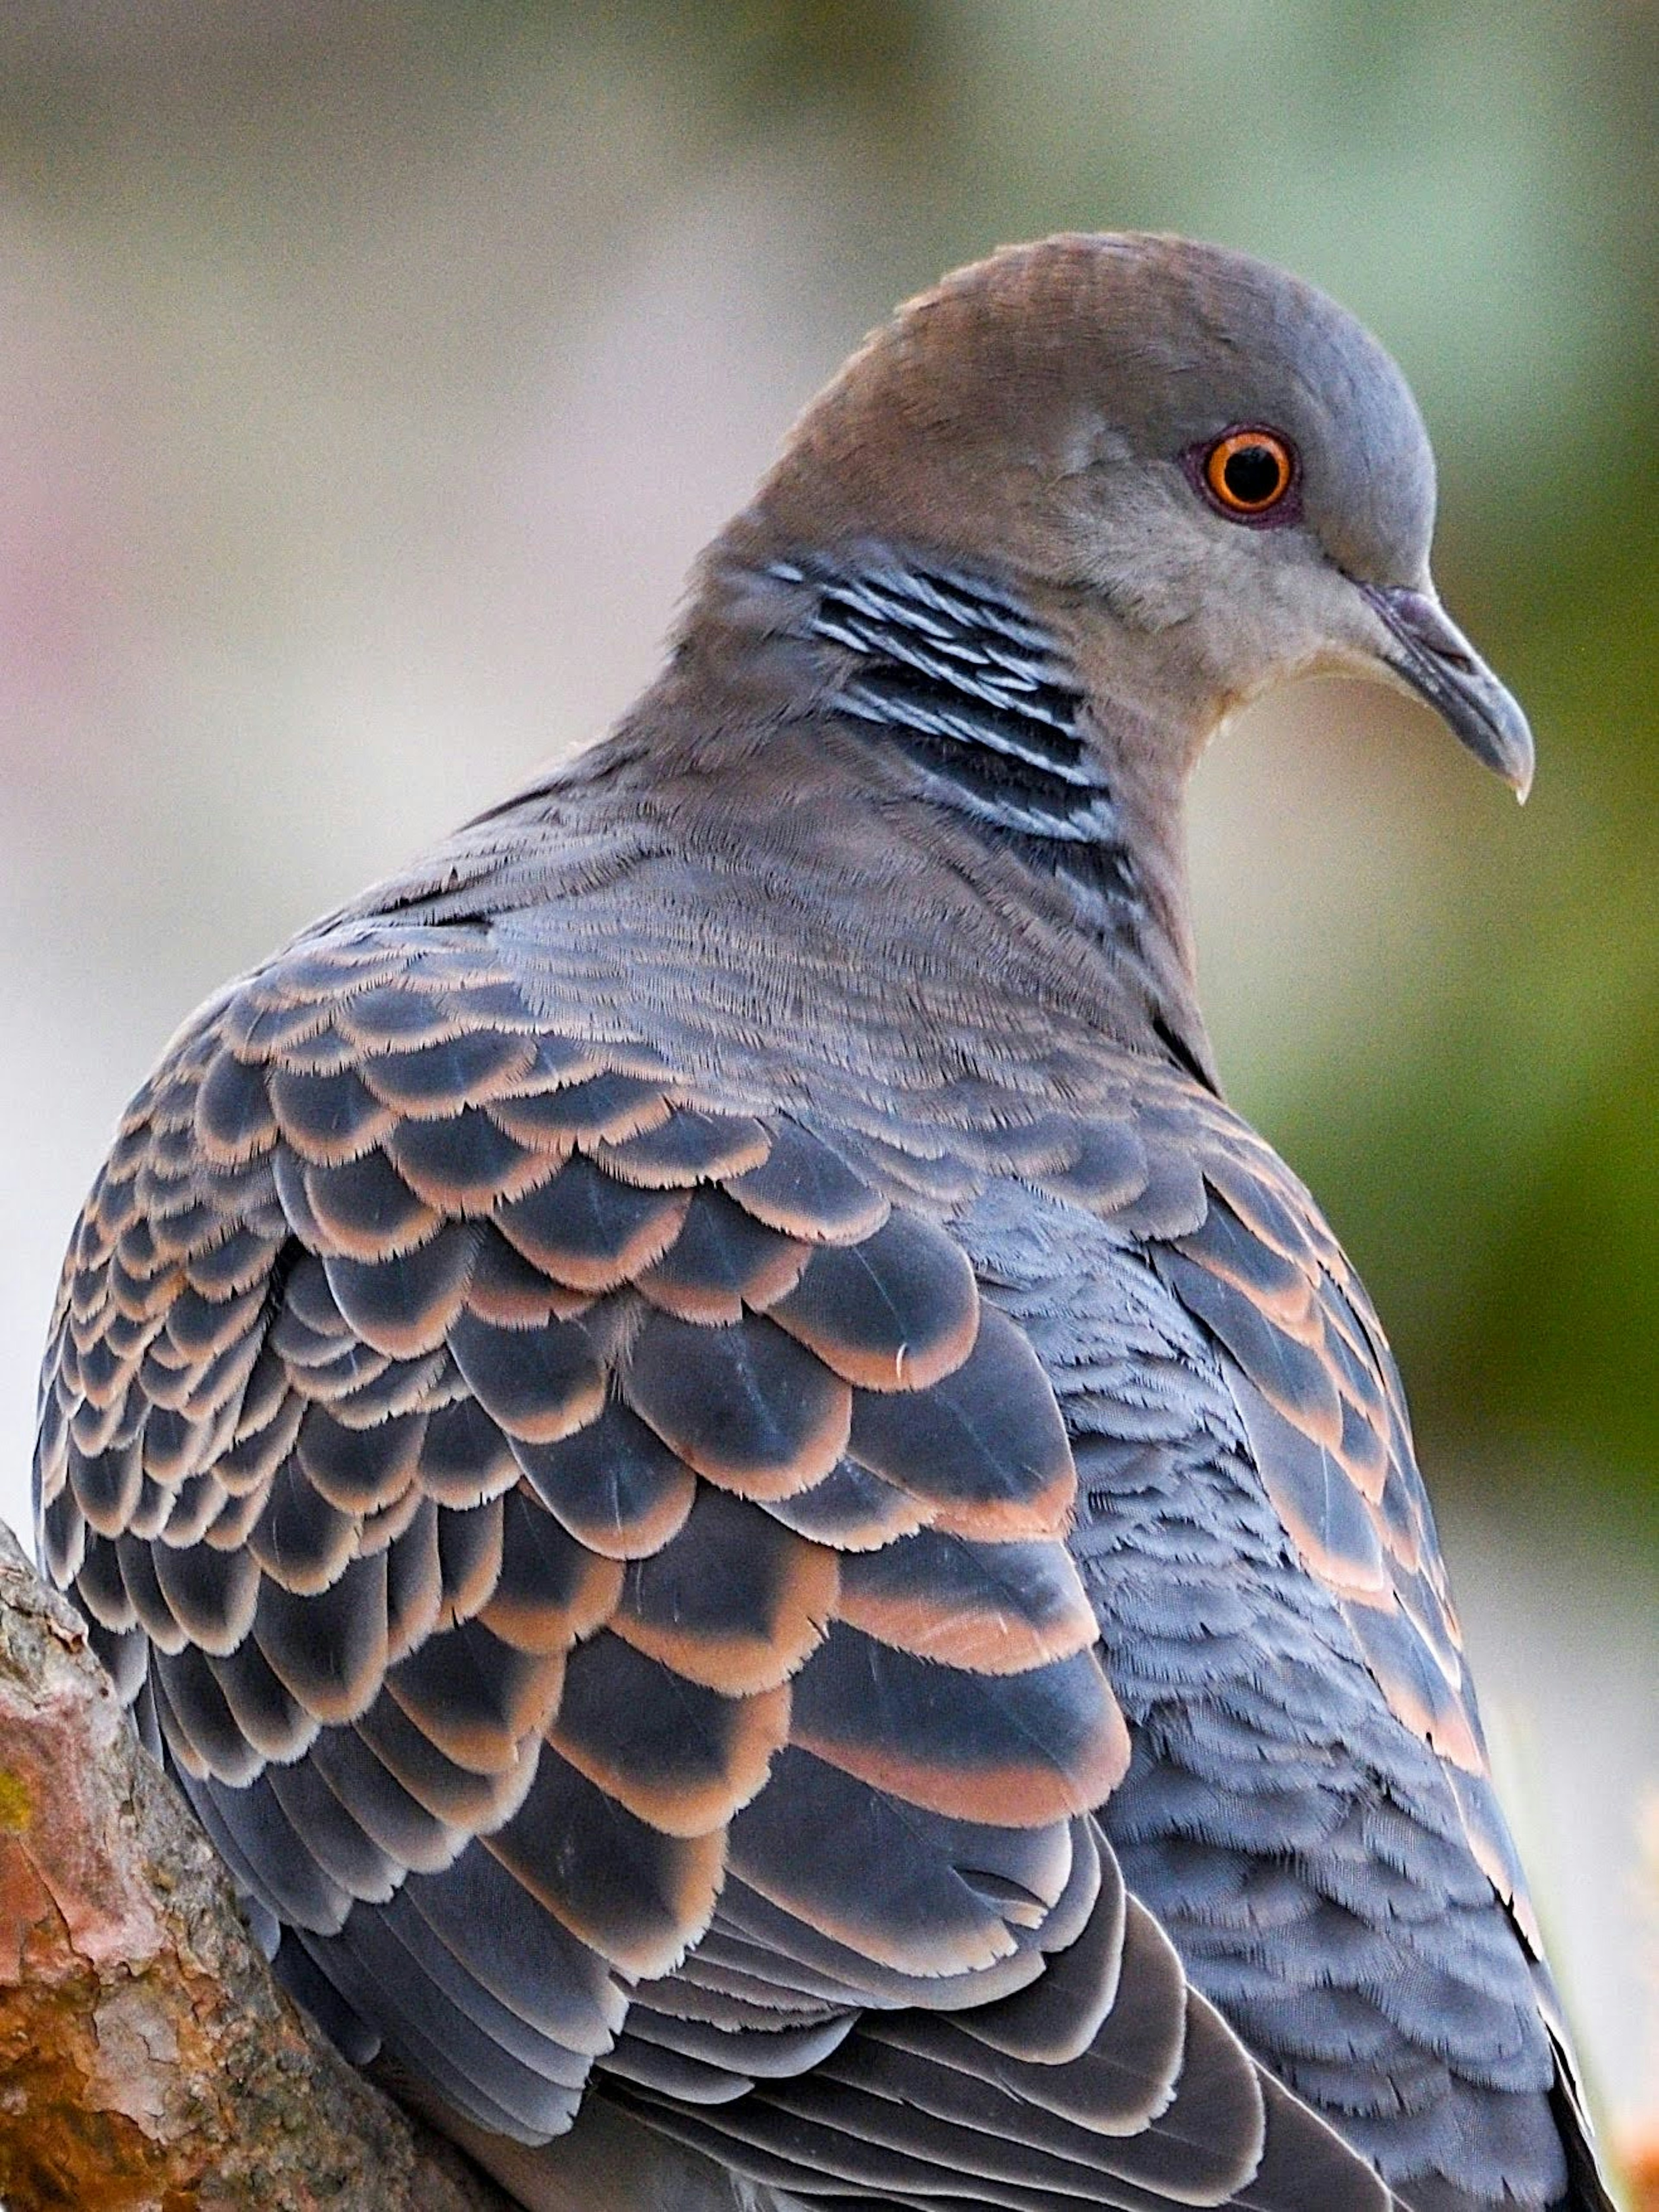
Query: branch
{"type": "Point", "coordinates": [148, 2060]}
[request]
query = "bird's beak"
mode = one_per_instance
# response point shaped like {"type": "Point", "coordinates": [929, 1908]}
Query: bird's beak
{"type": "Point", "coordinates": [1433, 657]}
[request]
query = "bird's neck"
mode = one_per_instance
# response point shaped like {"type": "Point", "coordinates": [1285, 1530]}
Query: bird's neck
{"type": "Point", "coordinates": [962, 703]}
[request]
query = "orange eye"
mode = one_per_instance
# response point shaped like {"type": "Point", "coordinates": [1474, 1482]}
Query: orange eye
{"type": "Point", "coordinates": [1248, 472]}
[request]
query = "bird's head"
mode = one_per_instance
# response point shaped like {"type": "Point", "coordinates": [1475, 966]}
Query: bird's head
{"type": "Point", "coordinates": [1214, 468]}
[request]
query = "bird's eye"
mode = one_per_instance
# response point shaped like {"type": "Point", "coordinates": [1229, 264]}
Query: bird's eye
{"type": "Point", "coordinates": [1248, 473]}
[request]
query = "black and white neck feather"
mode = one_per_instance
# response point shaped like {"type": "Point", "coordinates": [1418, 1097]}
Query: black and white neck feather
{"type": "Point", "coordinates": [972, 686]}
{"type": "Point", "coordinates": [977, 695]}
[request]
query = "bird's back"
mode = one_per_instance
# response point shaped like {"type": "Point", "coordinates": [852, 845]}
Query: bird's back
{"type": "Point", "coordinates": [485, 1207]}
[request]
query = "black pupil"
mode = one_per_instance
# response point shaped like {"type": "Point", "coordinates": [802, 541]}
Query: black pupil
{"type": "Point", "coordinates": [1252, 475]}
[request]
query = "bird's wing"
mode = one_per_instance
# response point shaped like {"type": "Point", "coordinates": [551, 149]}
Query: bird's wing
{"type": "Point", "coordinates": [599, 1570]}
{"type": "Point", "coordinates": [1308, 1812]}
{"type": "Point", "coordinates": [1274, 1608]}
{"type": "Point", "coordinates": [1325, 1412]}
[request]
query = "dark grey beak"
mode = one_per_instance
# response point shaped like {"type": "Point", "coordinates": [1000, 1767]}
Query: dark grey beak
{"type": "Point", "coordinates": [1439, 662]}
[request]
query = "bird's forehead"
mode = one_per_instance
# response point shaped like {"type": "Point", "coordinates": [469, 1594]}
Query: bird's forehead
{"type": "Point", "coordinates": [1163, 343]}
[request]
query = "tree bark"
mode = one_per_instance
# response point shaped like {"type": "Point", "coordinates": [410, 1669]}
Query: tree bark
{"type": "Point", "coordinates": [148, 2061]}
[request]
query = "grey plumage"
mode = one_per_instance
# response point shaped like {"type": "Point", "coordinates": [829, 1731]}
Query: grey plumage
{"type": "Point", "coordinates": [760, 1528]}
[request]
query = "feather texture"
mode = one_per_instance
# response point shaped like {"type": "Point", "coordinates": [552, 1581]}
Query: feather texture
{"type": "Point", "coordinates": [734, 1574]}
{"type": "Point", "coordinates": [752, 1517]}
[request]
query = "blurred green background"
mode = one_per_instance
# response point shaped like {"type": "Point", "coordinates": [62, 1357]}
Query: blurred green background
{"type": "Point", "coordinates": [369, 375]}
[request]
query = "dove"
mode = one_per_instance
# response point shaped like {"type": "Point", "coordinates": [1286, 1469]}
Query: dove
{"type": "Point", "coordinates": [786, 1562]}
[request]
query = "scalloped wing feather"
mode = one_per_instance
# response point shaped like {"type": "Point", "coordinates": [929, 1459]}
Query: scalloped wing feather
{"type": "Point", "coordinates": [600, 1565]}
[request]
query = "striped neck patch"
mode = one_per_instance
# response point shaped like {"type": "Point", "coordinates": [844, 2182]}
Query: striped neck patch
{"type": "Point", "coordinates": [978, 695]}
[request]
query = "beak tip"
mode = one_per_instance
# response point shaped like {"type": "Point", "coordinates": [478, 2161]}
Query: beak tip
{"type": "Point", "coordinates": [1518, 760]}
{"type": "Point", "coordinates": [1504, 744]}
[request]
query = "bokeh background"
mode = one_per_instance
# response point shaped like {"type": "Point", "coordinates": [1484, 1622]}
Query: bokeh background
{"type": "Point", "coordinates": [369, 375]}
